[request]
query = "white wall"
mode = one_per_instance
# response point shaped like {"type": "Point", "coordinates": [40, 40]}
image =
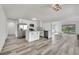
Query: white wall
{"type": "Point", "coordinates": [47, 25]}
{"type": "Point", "coordinates": [12, 27]}
{"type": "Point", "coordinates": [3, 28]}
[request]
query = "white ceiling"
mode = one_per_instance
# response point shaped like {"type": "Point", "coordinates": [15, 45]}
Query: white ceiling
{"type": "Point", "coordinates": [39, 11]}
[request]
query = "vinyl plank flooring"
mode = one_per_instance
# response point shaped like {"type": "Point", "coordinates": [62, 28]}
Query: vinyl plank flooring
{"type": "Point", "coordinates": [68, 45]}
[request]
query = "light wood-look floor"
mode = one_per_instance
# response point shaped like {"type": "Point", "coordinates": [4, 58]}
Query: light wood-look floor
{"type": "Point", "coordinates": [68, 45]}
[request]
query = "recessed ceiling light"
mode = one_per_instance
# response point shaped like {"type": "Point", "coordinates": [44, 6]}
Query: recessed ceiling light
{"type": "Point", "coordinates": [34, 18]}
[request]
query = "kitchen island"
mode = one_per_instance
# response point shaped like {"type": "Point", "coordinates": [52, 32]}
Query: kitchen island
{"type": "Point", "coordinates": [32, 35]}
